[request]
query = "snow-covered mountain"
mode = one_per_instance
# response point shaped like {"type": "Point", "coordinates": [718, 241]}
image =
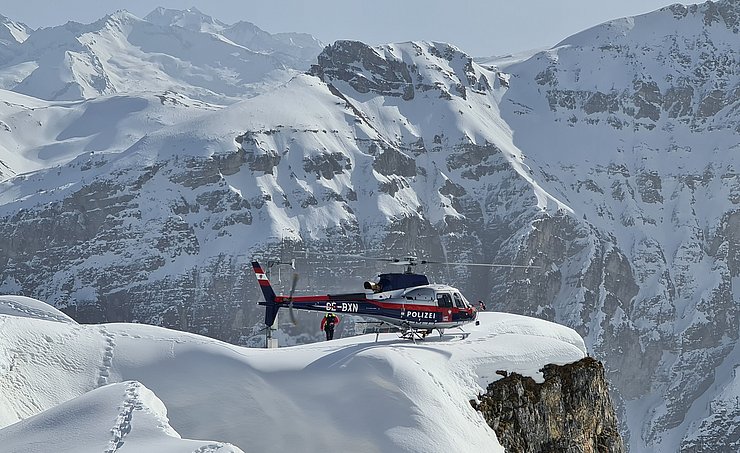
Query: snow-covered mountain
{"type": "Point", "coordinates": [37, 134]}
{"type": "Point", "coordinates": [92, 388]}
{"type": "Point", "coordinates": [122, 53]}
{"type": "Point", "coordinates": [302, 46]}
{"type": "Point", "coordinates": [637, 131]}
{"type": "Point", "coordinates": [610, 161]}
{"type": "Point", "coordinates": [12, 32]}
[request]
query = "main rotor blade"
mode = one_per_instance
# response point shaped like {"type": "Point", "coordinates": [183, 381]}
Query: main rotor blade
{"type": "Point", "coordinates": [410, 260]}
{"type": "Point", "coordinates": [371, 258]}
{"type": "Point", "coordinates": [515, 266]}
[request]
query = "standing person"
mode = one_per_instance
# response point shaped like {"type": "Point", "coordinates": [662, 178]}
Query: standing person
{"type": "Point", "coordinates": [328, 323]}
{"type": "Point", "coordinates": [481, 306]}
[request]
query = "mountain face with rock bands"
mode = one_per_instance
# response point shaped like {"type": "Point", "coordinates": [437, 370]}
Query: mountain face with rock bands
{"type": "Point", "coordinates": [609, 162]}
{"type": "Point", "coordinates": [637, 131]}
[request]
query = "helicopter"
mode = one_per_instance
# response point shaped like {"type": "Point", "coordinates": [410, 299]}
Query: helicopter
{"type": "Point", "coordinates": [404, 300]}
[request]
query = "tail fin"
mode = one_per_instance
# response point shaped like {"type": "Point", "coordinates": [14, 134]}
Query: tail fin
{"type": "Point", "coordinates": [271, 308]}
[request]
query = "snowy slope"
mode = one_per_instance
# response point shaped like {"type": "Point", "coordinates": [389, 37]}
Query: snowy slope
{"type": "Point", "coordinates": [20, 306]}
{"type": "Point", "coordinates": [36, 134]}
{"type": "Point", "coordinates": [303, 162]}
{"type": "Point", "coordinates": [108, 419]}
{"type": "Point", "coordinates": [352, 394]}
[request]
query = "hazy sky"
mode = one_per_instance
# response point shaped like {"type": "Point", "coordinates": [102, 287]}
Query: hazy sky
{"type": "Point", "coordinates": [479, 27]}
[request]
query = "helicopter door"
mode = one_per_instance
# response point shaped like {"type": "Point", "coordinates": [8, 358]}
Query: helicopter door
{"type": "Point", "coordinates": [444, 300]}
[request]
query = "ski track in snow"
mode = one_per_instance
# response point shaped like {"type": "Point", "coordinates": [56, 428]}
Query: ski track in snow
{"type": "Point", "coordinates": [104, 373]}
{"type": "Point", "coordinates": [122, 425]}
{"type": "Point", "coordinates": [33, 312]}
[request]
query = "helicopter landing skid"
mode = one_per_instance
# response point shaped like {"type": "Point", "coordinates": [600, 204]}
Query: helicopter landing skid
{"type": "Point", "coordinates": [378, 327]}
{"type": "Point", "coordinates": [415, 334]}
{"type": "Point", "coordinates": [462, 334]}
{"type": "Point", "coordinates": [407, 332]}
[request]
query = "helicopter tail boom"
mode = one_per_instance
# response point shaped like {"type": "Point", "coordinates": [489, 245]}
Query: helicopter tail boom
{"type": "Point", "coordinates": [271, 308]}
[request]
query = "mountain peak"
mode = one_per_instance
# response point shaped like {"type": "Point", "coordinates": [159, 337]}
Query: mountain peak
{"type": "Point", "coordinates": [401, 69]}
{"type": "Point", "coordinates": [12, 31]}
{"type": "Point", "coordinates": [121, 16]}
{"type": "Point", "coordinates": [676, 19]}
{"type": "Point", "coordinates": [191, 19]}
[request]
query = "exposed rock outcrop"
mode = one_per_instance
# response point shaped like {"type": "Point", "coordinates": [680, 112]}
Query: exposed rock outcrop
{"type": "Point", "coordinates": [571, 411]}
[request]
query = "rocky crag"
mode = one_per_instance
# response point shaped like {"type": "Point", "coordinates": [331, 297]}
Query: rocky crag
{"type": "Point", "coordinates": [570, 411]}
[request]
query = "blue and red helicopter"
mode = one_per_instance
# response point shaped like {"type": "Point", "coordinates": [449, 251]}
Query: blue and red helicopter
{"type": "Point", "coordinates": [405, 300]}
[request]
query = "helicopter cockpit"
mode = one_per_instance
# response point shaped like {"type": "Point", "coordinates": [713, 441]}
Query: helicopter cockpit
{"type": "Point", "coordinates": [451, 298]}
{"type": "Point", "coordinates": [436, 295]}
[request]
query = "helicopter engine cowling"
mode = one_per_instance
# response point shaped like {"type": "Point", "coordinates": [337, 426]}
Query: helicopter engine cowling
{"type": "Point", "coordinates": [372, 286]}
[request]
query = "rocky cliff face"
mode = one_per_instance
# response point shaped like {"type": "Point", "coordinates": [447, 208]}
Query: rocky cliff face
{"type": "Point", "coordinates": [570, 411]}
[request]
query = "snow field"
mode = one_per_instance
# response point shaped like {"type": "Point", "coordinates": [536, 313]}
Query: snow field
{"type": "Point", "coordinates": [134, 387]}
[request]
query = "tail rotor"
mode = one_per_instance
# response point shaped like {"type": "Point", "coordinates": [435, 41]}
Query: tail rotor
{"type": "Point", "coordinates": [293, 284]}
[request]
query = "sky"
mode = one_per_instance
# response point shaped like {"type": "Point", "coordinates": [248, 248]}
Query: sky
{"type": "Point", "coordinates": [479, 27]}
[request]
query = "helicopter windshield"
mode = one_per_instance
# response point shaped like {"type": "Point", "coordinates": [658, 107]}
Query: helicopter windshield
{"type": "Point", "coordinates": [459, 302]}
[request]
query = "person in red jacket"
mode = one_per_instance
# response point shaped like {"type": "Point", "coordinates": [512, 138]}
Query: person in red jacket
{"type": "Point", "coordinates": [328, 323]}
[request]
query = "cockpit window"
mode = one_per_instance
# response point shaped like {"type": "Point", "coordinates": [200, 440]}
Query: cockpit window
{"type": "Point", "coordinates": [421, 294]}
{"type": "Point", "coordinates": [458, 300]}
{"type": "Point", "coordinates": [444, 300]}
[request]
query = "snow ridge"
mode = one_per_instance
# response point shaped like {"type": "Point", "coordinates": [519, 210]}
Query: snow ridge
{"type": "Point", "coordinates": [389, 395]}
